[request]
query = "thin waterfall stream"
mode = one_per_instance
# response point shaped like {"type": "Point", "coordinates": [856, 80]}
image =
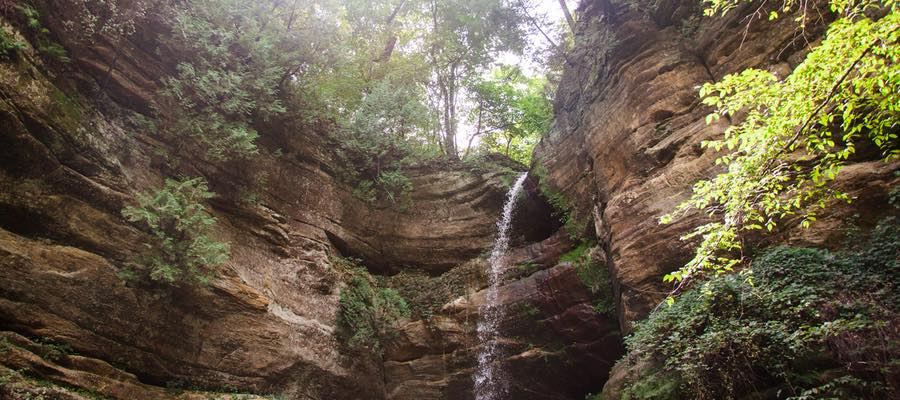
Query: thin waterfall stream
{"type": "Point", "coordinates": [490, 384]}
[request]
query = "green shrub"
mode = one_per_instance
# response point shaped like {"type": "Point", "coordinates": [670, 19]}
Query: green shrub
{"type": "Point", "coordinates": [799, 321]}
{"type": "Point", "coordinates": [368, 313]}
{"type": "Point", "coordinates": [575, 225]}
{"type": "Point", "coordinates": [44, 45]}
{"type": "Point", "coordinates": [593, 275]}
{"type": "Point", "coordinates": [229, 78]}
{"type": "Point", "coordinates": [365, 191]}
{"type": "Point", "coordinates": [53, 49]}
{"type": "Point", "coordinates": [793, 135]}
{"type": "Point", "coordinates": [395, 184]}
{"type": "Point", "coordinates": [32, 17]}
{"type": "Point", "coordinates": [427, 294]}
{"type": "Point", "coordinates": [183, 249]}
{"type": "Point", "coordinates": [52, 351]}
{"type": "Point", "coordinates": [9, 46]}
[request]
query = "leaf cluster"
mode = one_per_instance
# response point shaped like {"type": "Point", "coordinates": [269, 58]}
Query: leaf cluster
{"type": "Point", "coordinates": [512, 112]}
{"type": "Point", "coordinates": [368, 313]}
{"type": "Point", "coordinates": [593, 274]}
{"type": "Point", "coordinates": [794, 135]}
{"type": "Point", "coordinates": [183, 248]}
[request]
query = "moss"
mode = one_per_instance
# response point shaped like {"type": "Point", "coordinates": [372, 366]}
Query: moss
{"type": "Point", "coordinates": [9, 46]}
{"type": "Point", "coordinates": [427, 294]}
{"type": "Point", "coordinates": [593, 274]}
{"type": "Point", "coordinates": [654, 387]}
{"type": "Point", "coordinates": [574, 224]}
{"type": "Point", "coordinates": [528, 267]}
{"type": "Point", "coordinates": [21, 385]}
{"type": "Point", "coordinates": [369, 313]}
{"type": "Point", "coordinates": [807, 322]}
{"type": "Point", "coordinates": [527, 311]}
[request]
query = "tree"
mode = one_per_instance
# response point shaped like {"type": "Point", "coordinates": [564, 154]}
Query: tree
{"type": "Point", "coordinates": [464, 37]}
{"type": "Point", "coordinates": [512, 112]}
{"type": "Point", "coordinates": [237, 59]}
{"type": "Point", "coordinates": [782, 158]}
{"type": "Point", "coordinates": [183, 249]}
{"type": "Point", "coordinates": [569, 19]}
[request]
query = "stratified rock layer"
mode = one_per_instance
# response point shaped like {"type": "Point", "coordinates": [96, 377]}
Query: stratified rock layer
{"type": "Point", "coordinates": [73, 154]}
{"type": "Point", "coordinates": [625, 146]}
{"type": "Point", "coordinates": [78, 144]}
{"type": "Point", "coordinates": [554, 344]}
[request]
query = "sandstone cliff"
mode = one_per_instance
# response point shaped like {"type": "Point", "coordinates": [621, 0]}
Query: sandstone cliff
{"type": "Point", "coordinates": [625, 146]}
{"type": "Point", "coordinates": [78, 144]}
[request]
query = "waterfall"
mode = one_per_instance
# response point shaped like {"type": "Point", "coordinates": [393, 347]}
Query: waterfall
{"type": "Point", "coordinates": [489, 380]}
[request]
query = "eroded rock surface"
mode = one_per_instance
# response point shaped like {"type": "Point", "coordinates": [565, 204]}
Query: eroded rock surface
{"type": "Point", "coordinates": [625, 146]}
{"type": "Point", "coordinates": [555, 344]}
{"type": "Point", "coordinates": [74, 154]}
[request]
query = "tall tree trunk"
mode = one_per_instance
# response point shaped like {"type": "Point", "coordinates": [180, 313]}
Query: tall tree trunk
{"type": "Point", "coordinates": [569, 18]}
{"type": "Point", "coordinates": [535, 23]}
{"type": "Point", "coordinates": [452, 121]}
{"type": "Point", "coordinates": [447, 86]}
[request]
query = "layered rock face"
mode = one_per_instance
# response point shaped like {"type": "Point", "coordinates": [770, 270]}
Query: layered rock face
{"type": "Point", "coordinates": [625, 146]}
{"type": "Point", "coordinates": [76, 148]}
{"type": "Point", "coordinates": [555, 344]}
{"type": "Point", "coordinates": [72, 158]}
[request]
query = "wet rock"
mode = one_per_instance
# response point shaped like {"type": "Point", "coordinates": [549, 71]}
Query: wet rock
{"type": "Point", "coordinates": [555, 344]}
{"type": "Point", "coordinates": [625, 146]}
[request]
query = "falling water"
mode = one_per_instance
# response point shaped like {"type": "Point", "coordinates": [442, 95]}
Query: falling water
{"type": "Point", "coordinates": [489, 381]}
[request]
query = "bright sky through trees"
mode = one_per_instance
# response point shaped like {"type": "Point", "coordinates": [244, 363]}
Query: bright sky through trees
{"type": "Point", "coordinates": [552, 19]}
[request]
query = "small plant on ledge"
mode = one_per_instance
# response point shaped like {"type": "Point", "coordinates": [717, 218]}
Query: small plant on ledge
{"type": "Point", "coordinates": [183, 249]}
{"type": "Point", "coordinates": [368, 314]}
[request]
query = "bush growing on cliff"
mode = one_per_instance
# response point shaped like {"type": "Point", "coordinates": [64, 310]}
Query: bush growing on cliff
{"type": "Point", "coordinates": [593, 274]}
{"type": "Point", "coordinates": [368, 313]}
{"type": "Point", "coordinates": [9, 46]}
{"type": "Point", "coordinates": [575, 225]}
{"type": "Point", "coordinates": [232, 74]}
{"type": "Point", "coordinates": [796, 133]}
{"type": "Point", "coordinates": [803, 323]}
{"type": "Point", "coordinates": [183, 249]}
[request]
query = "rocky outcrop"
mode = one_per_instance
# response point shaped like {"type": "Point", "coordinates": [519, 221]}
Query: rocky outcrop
{"type": "Point", "coordinates": [71, 373]}
{"type": "Point", "coordinates": [76, 149]}
{"type": "Point", "coordinates": [625, 146]}
{"type": "Point", "coordinates": [556, 345]}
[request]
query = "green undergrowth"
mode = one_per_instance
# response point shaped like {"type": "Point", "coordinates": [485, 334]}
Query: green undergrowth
{"type": "Point", "coordinates": [593, 274]}
{"type": "Point", "coordinates": [179, 386]}
{"type": "Point", "coordinates": [184, 249]}
{"type": "Point", "coordinates": [9, 46]}
{"type": "Point", "coordinates": [481, 163]}
{"type": "Point", "coordinates": [369, 311]}
{"type": "Point", "coordinates": [427, 294]}
{"type": "Point", "coordinates": [573, 222]}
{"type": "Point", "coordinates": [800, 323]}
{"type": "Point", "coordinates": [40, 35]}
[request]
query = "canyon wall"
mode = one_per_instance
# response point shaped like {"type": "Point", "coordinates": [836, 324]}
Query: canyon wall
{"type": "Point", "coordinates": [625, 146]}
{"type": "Point", "coordinates": [76, 147]}
{"type": "Point", "coordinates": [79, 143]}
